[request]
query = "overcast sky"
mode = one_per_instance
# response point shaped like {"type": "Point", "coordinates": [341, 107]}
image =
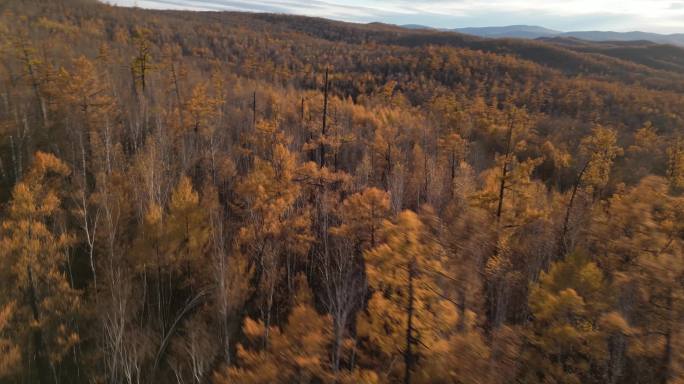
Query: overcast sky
{"type": "Point", "coordinates": [664, 16]}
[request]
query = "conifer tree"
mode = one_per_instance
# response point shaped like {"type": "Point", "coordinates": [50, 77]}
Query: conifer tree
{"type": "Point", "coordinates": [9, 352]}
{"type": "Point", "coordinates": [638, 236]}
{"type": "Point", "coordinates": [34, 258]}
{"type": "Point", "coordinates": [362, 215]}
{"type": "Point", "coordinates": [568, 342]}
{"type": "Point", "coordinates": [675, 164]}
{"type": "Point", "coordinates": [273, 227]}
{"type": "Point", "coordinates": [598, 151]}
{"type": "Point", "coordinates": [296, 353]}
{"type": "Point", "coordinates": [407, 313]}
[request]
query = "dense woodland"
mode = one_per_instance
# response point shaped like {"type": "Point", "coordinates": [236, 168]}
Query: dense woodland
{"type": "Point", "coordinates": [247, 198]}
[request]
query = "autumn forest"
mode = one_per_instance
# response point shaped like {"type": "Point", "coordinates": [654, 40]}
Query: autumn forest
{"type": "Point", "coordinates": [217, 197]}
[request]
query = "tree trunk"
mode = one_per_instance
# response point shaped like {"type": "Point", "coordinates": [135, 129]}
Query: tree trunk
{"type": "Point", "coordinates": [325, 119]}
{"type": "Point", "coordinates": [504, 173]}
{"type": "Point", "coordinates": [408, 353]}
{"type": "Point", "coordinates": [566, 221]}
{"type": "Point", "coordinates": [43, 365]}
{"type": "Point", "coordinates": [254, 114]}
{"type": "Point", "coordinates": [667, 353]}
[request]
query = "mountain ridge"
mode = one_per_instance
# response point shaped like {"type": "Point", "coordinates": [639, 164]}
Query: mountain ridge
{"type": "Point", "coordinates": [536, 32]}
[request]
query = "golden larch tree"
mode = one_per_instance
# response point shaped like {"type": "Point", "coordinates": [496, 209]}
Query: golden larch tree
{"type": "Point", "coordinates": [34, 257]}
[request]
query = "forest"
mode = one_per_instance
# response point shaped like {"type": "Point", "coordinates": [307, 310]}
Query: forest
{"type": "Point", "coordinates": [223, 197]}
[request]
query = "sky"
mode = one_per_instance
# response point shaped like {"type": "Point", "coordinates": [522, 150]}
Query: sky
{"type": "Point", "coordinates": [661, 16]}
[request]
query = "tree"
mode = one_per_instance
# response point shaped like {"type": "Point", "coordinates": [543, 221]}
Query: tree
{"type": "Point", "coordinates": [193, 352]}
{"type": "Point", "coordinates": [517, 128]}
{"type": "Point", "coordinates": [567, 342]}
{"type": "Point", "coordinates": [344, 284]}
{"type": "Point", "coordinates": [468, 239]}
{"type": "Point", "coordinates": [599, 150]}
{"type": "Point", "coordinates": [407, 313]}
{"type": "Point", "coordinates": [453, 150]}
{"type": "Point", "coordinates": [296, 353]}
{"type": "Point", "coordinates": [34, 256]}
{"type": "Point", "coordinates": [645, 155]}
{"type": "Point", "coordinates": [187, 234]}
{"type": "Point", "coordinates": [173, 250]}
{"type": "Point", "coordinates": [84, 92]}
{"type": "Point", "coordinates": [274, 229]}
{"type": "Point", "coordinates": [675, 164]}
{"type": "Point", "coordinates": [362, 215]}
{"type": "Point", "coordinates": [201, 113]}
{"type": "Point", "coordinates": [141, 64]}
{"type": "Point", "coordinates": [9, 352]}
{"type": "Point", "coordinates": [638, 235]}
{"type": "Point", "coordinates": [525, 207]}
{"type": "Point", "coordinates": [84, 97]}
{"type": "Point", "coordinates": [32, 67]}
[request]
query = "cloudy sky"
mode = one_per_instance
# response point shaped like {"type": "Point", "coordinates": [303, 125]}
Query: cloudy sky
{"type": "Point", "coordinates": [663, 16]}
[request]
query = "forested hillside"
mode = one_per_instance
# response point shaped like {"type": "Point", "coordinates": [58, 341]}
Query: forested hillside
{"type": "Point", "coordinates": [249, 198]}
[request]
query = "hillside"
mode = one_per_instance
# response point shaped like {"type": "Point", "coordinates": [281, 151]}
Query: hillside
{"type": "Point", "coordinates": [224, 197]}
{"type": "Point", "coordinates": [536, 32]}
{"type": "Point", "coordinates": [657, 56]}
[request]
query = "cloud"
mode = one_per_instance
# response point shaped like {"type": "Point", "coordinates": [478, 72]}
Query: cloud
{"type": "Point", "coordinates": [620, 15]}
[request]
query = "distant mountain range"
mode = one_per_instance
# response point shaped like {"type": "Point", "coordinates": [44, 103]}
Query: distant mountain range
{"type": "Point", "coordinates": [536, 32]}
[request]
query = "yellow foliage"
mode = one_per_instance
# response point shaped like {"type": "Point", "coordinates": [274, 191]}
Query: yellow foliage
{"type": "Point", "coordinates": [403, 271]}
{"type": "Point", "coordinates": [601, 149]}
{"type": "Point", "coordinates": [297, 353]}
{"type": "Point", "coordinates": [33, 256]}
{"type": "Point", "coordinates": [362, 215]}
{"type": "Point", "coordinates": [567, 303]}
{"type": "Point", "coordinates": [675, 164]}
{"type": "Point", "coordinates": [9, 352]}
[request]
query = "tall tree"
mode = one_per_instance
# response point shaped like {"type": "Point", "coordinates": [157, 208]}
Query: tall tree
{"type": "Point", "coordinates": [408, 312]}
{"type": "Point", "coordinates": [10, 355]}
{"type": "Point", "coordinates": [598, 152]}
{"type": "Point", "coordinates": [296, 353]}
{"type": "Point", "coordinates": [567, 342]}
{"type": "Point", "coordinates": [274, 228]}
{"type": "Point", "coordinates": [34, 256]}
{"type": "Point", "coordinates": [675, 164]}
{"type": "Point", "coordinates": [638, 235]}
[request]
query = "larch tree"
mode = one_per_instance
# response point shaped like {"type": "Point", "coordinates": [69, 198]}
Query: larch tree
{"type": "Point", "coordinates": [201, 112]}
{"type": "Point", "coordinates": [173, 253]}
{"type": "Point", "coordinates": [362, 215]}
{"type": "Point", "coordinates": [275, 229]}
{"type": "Point", "coordinates": [383, 148]}
{"type": "Point", "coordinates": [517, 127]}
{"type": "Point", "coordinates": [84, 97]}
{"type": "Point", "coordinates": [568, 341]}
{"type": "Point", "coordinates": [408, 312]}
{"type": "Point", "coordinates": [453, 149]}
{"type": "Point", "coordinates": [646, 153]}
{"type": "Point", "coordinates": [10, 355]}
{"type": "Point", "coordinates": [175, 74]}
{"type": "Point", "coordinates": [598, 152]}
{"type": "Point", "coordinates": [142, 64]}
{"type": "Point", "coordinates": [468, 239]}
{"type": "Point", "coordinates": [84, 92]}
{"type": "Point", "coordinates": [34, 256]}
{"type": "Point", "coordinates": [297, 352]}
{"type": "Point", "coordinates": [32, 67]}
{"type": "Point", "coordinates": [639, 237]}
{"type": "Point", "coordinates": [675, 164]}
{"type": "Point", "coordinates": [524, 205]}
